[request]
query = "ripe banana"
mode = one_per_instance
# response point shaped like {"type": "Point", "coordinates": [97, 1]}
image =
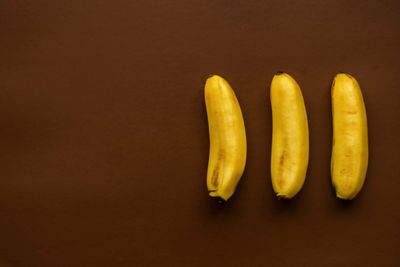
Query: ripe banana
{"type": "Point", "coordinates": [227, 157]}
{"type": "Point", "coordinates": [350, 137]}
{"type": "Point", "coordinates": [289, 155]}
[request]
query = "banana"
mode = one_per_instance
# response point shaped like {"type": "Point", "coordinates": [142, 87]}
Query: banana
{"type": "Point", "coordinates": [227, 156]}
{"type": "Point", "coordinates": [350, 137]}
{"type": "Point", "coordinates": [289, 155]}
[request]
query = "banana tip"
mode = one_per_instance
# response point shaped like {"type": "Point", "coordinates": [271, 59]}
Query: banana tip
{"type": "Point", "coordinates": [345, 198]}
{"type": "Point", "coordinates": [345, 74]}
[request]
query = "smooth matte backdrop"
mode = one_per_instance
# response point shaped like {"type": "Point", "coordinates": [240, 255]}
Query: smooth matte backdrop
{"type": "Point", "coordinates": [104, 137]}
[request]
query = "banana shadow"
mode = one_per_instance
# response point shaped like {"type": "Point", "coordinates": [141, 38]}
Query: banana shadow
{"type": "Point", "coordinates": [344, 205]}
{"type": "Point", "coordinates": [287, 206]}
{"type": "Point", "coordinates": [212, 208]}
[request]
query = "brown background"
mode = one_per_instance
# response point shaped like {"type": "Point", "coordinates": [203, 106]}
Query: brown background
{"type": "Point", "coordinates": [104, 138]}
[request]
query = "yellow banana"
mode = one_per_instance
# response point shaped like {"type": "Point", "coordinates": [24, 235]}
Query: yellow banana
{"type": "Point", "coordinates": [350, 137]}
{"type": "Point", "coordinates": [289, 155]}
{"type": "Point", "coordinates": [227, 157]}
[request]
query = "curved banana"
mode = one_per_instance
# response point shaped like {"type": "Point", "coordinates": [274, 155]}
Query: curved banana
{"type": "Point", "coordinates": [289, 155]}
{"type": "Point", "coordinates": [350, 137]}
{"type": "Point", "coordinates": [227, 157]}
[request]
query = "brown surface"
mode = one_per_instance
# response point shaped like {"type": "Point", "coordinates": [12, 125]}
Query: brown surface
{"type": "Point", "coordinates": [105, 142]}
